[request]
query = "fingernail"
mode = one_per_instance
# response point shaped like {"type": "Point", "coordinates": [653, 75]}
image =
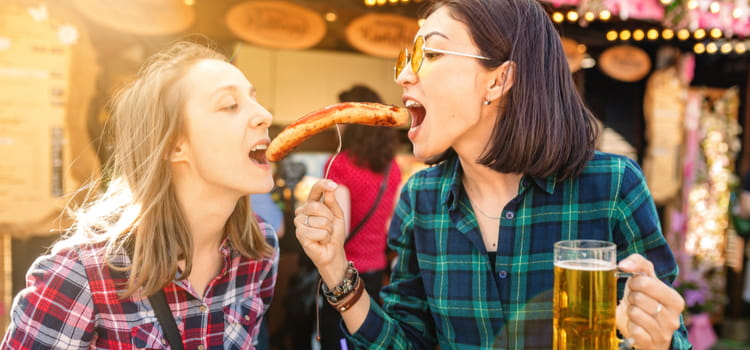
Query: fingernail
{"type": "Point", "coordinates": [626, 265]}
{"type": "Point", "coordinates": [332, 185]}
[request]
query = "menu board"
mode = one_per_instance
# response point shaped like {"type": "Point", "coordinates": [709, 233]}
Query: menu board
{"type": "Point", "coordinates": [35, 66]}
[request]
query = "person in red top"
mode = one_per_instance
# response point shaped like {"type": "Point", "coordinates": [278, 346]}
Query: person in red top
{"type": "Point", "coordinates": [365, 164]}
{"type": "Point", "coordinates": [189, 146]}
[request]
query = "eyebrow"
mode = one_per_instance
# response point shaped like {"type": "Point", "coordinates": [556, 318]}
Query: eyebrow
{"type": "Point", "coordinates": [430, 34]}
{"type": "Point", "coordinates": [232, 88]}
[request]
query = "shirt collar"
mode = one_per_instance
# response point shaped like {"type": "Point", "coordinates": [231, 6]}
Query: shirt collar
{"type": "Point", "coordinates": [453, 183]}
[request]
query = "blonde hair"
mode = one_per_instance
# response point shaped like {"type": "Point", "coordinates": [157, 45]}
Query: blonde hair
{"type": "Point", "coordinates": [139, 209]}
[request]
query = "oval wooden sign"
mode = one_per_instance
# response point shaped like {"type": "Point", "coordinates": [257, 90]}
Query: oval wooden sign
{"type": "Point", "coordinates": [572, 53]}
{"type": "Point", "coordinates": [142, 17]}
{"type": "Point", "coordinates": [625, 63]}
{"type": "Point", "coordinates": [381, 34]}
{"type": "Point", "coordinates": [276, 24]}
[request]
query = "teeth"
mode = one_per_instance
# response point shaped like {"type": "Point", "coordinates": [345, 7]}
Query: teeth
{"type": "Point", "coordinates": [259, 148]}
{"type": "Point", "coordinates": [412, 103]}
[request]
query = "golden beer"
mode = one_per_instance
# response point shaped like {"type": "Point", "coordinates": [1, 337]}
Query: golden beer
{"type": "Point", "coordinates": [585, 300]}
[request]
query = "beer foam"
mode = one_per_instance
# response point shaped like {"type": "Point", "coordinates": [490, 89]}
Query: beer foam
{"type": "Point", "coordinates": [587, 265]}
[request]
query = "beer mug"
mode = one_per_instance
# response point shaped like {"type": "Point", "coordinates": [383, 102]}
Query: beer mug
{"type": "Point", "coordinates": [585, 295]}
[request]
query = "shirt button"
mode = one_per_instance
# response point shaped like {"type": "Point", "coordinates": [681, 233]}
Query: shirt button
{"type": "Point", "coordinates": [203, 308]}
{"type": "Point", "coordinates": [201, 347]}
{"type": "Point", "coordinates": [510, 215]}
{"type": "Point", "coordinates": [247, 318]}
{"type": "Point", "coordinates": [502, 274]}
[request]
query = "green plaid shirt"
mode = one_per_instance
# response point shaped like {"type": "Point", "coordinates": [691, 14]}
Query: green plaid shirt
{"type": "Point", "coordinates": [443, 289]}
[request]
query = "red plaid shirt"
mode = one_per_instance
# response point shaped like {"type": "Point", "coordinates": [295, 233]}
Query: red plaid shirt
{"type": "Point", "coordinates": [71, 302]}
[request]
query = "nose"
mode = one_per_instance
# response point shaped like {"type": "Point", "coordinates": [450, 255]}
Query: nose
{"type": "Point", "coordinates": [407, 76]}
{"type": "Point", "coordinates": [261, 118]}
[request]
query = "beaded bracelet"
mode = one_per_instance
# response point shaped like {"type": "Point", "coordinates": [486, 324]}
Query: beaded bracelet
{"type": "Point", "coordinates": [344, 288]}
{"type": "Point", "coordinates": [349, 300]}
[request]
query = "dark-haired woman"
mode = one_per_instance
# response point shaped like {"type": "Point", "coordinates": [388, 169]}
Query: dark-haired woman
{"type": "Point", "coordinates": [494, 107]}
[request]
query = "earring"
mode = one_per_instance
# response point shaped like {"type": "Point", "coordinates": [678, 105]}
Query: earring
{"type": "Point", "coordinates": [487, 102]}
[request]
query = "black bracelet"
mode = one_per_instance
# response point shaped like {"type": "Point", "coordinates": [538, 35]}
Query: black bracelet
{"type": "Point", "coordinates": [344, 288]}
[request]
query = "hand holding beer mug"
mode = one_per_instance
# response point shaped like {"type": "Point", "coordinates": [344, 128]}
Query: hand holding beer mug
{"type": "Point", "coordinates": [585, 300]}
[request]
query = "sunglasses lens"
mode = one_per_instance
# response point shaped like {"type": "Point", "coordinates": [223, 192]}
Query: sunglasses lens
{"type": "Point", "coordinates": [400, 63]}
{"type": "Point", "coordinates": [416, 57]}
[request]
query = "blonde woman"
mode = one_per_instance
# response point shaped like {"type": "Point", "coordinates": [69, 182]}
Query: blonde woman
{"type": "Point", "coordinates": [189, 140]}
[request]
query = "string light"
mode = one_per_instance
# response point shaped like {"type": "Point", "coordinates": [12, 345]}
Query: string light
{"type": "Point", "coordinates": [716, 33]}
{"type": "Point", "coordinates": [369, 2]}
{"type": "Point", "coordinates": [740, 47]}
{"type": "Point", "coordinates": [692, 4]}
{"type": "Point", "coordinates": [331, 16]}
{"type": "Point", "coordinates": [625, 35]}
{"type": "Point", "coordinates": [612, 35]}
{"type": "Point", "coordinates": [700, 34]}
{"type": "Point", "coordinates": [667, 34]}
{"type": "Point", "coordinates": [638, 34]}
{"type": "Point", "coordinates": [715, 7]}
{"type": "Point", "coordinates": [737, 12]}
{"type": "Point", "coordinates": [699, 48]}
{"type": "Point", "coordinates": [683, 34]}
{"type": "Point", "coordinates": [605, 15]}
{"type": "Point", "coordinates": [712, 48]}
{"type": "Point", "coordinates": [558, 17]}
{"type": "Point", "coordinates": [726, 48]}
{"type": "Point", "coordinates": [589, 16]}
{"type": "Point", "coordinates": [652, 34]}
{"type": "Point", "coordinates": [572, 16]}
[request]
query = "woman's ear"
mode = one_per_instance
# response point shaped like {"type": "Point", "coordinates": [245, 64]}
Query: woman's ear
{"type": "Point", "coordinates": [501, 80]}
{"type": "Point", "coordinates": [179, 152]}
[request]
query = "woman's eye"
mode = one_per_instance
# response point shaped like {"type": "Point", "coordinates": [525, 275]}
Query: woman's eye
{"type": "Point", "coordinates": [230, 108]}
{"type": "Point", "coordinates": [431, 55]}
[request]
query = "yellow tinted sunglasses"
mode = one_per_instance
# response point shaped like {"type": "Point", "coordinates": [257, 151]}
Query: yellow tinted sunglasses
{"type": "Point", "coordinates": [417, 55]}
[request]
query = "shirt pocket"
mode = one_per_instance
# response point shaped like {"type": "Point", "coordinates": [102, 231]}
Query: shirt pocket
{"type": "Point", "coordinates": [242, 323]}
{"type": "Point", "coordinates": [148, 336]}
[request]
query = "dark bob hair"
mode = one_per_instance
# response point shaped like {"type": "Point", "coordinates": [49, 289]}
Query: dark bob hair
{"type": "Point", "coordinates": [544, 128]}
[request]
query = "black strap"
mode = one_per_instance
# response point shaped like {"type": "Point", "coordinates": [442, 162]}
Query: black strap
{"type": "Point", "coordinates": [166, 319]}
{"type": "Point", "coordinates": [383, 185]}
{"type": "Point", "coordinates": [163, 313]}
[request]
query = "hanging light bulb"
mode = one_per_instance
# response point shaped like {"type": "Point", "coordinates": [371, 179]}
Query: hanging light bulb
{"type": "Point", "coordinates": [700, 34]}
{"type": "Point", "coordinates": [737, 12]}
{"type": "Point", "coordinates": [699, 48]}
{"type": "Point", "coordinates": [589, 16]}
{"type": "Point", "coordinates": [692, 4]}
{"type": "Point", "coordinates": [716, 33]}
{"type": "Point", "coordinates": [369, 2]}
{"type": "Point", "coordinates": [726, 48]}
{"type": "Point", "coordinates": [683, 34]}
{"type": "Point", "coordinates": [572, 16]}
{"type": "Point", "coordinates": [712, 48]}
{"type": "Point", "coordinates": [558, 17]}
{"type": "Point", "coordinates": [715, 7]}
{"type": "Point", "coordinates": [740, 47]}
{"type": "Point", "coordinates": [612, 35]}
{"type": "Point", "coordinates": [605, 15]}
{"type": "Point", "coordinates": [652, 34]}
{"type": "Point", "coordinates": [625, 35]}
{"type": "Point", "coordinates": [638, 35]}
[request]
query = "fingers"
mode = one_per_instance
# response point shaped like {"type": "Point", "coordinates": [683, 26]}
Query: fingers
{"type": "Point", "coordinates": [651, 309]}
{"type": "Point", "coordinates": [323, 191]}
{"type": "Point", "coordinates": [636, 263]}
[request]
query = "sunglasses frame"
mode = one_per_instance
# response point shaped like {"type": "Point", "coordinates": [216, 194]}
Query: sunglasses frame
{"type": "Point", "coordinates": [404, 56]}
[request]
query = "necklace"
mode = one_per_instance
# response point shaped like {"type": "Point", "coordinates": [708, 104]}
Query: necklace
{"type": "Point", "coordinates": [482, 211]}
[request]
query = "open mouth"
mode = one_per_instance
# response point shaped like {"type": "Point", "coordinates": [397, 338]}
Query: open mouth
{"type": "Point", "coordinates": [417, 112]}
{"type": "Point", "coordinates": [258, 154]}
